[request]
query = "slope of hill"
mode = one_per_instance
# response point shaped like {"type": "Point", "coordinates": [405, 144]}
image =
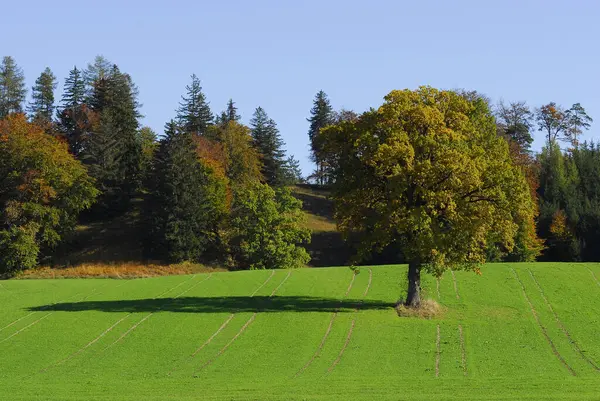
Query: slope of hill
{"type": "Point", "coordinates": [519, 331]}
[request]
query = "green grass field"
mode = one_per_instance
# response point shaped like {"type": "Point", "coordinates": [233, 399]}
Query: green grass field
{"type": "Point", "coordinates": [519, 331]}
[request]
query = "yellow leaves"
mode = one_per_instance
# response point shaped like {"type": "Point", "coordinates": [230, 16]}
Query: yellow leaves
{"type": "Point", "coordinates": [559, 227]}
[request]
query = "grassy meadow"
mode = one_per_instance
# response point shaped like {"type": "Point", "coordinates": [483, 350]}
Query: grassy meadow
{"type": "Point", "coordinates": [518, 331]}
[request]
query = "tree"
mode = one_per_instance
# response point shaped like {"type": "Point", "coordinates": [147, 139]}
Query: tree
{"type": "Point", "coordinates": [561, 124]}
{"type": "Point", "coordinates": [12, 87]}
{"type": "Point", "coordinates": [99, 69]}
{"type": "Point", "coordinates": [229, 114]}
{"type": "Point", "coordinates": [194, 113]}
{"type": "Point", "coordinates": [114, 138]}
{"type": "Point", "coordinates": [292, 173]}
{"type": "Point", "coordinates": [242, 161]}
{"type": "Point", "coordinates": [428, 171]}
{"type": "Point", "coordinates": [75, 119]}
{"type": "Point", "coordinates": [268, 142]}
{"type": "Point", "coordinates": [41, 109]}
{"type": "Point", "coordinates": [186, 203]}
{"type": "Point", "coordinates": [42, 190]}
{"type": "Point", "coordinates": [515, 123]}
{"type": "Point", "coordinates": [148, 144]}
{"type": "Point", "coordinates": [266, 228]}
{"type": "Point", "coordinates": [321, 115]}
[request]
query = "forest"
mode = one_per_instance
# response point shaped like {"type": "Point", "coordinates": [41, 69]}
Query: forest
{"type": "Point", "coordinates": [215, 190]}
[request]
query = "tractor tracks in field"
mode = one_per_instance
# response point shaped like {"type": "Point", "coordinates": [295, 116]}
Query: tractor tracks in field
{"type": "Point", "coordinates": [43, 317]}
{"type": "Point", "coordinates": [593, 276]}
{"type": "Point", "coordinates": [327, 332]}
{"type": "Point", "coordinates": [562, 326]}
{"type": "Point", "coordinates": [352, 324]}
{"type": "Point", "coordinates": [244, 327]}
{"type": "Point", "coordinates": [116, 323]}
{"type": "Point", "coordinates": [541, 326]}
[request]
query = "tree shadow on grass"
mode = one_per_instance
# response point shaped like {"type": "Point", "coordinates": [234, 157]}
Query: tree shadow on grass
{"type": "Point", "coordinates": [220, 305]}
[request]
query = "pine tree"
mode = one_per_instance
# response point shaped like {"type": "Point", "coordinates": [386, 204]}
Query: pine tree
{"type": "Point", "coordinates": [194, 113]}
{"type": "Point", "coordinates": [185, 206]}
{"type": "Point", "coordinates": [74, 117]}
{"type": "Point", "coordinates": [269, 144]}
{"type": "Point", "coordinates": [41, 109]}
{"type": "Point", "coordinates": [113, 100]}
{"type": "Point", "coordinates": [292, 173]}
{"type": "Point", "coordinates": [321, 115]}
{"type": "Point", "coordinates": [12, 87]}
{"type": "Point", "coordinates": [100, 69]}
{"type": "Point", "coordinates": [229, 114]}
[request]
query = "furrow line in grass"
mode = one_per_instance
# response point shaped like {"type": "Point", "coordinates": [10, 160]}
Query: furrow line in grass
{"type": "Point", "coordinates": [562, 326]}
{"type": "Point", "coordinates": [437, 285]}
{"type": "Point", "coordinates": [135, 326]}
{"type": "Point", "coordinates": [42, 318]}
{"type": "Point", "coordinates": [593, 276]}
{"type": "Point", "coordinates": [326, 335]}
{"type": "Point", "coordinates": [263, 284]}
{"type": "Point", "coordinates": [225, 324]}
{"type": "Point", "coordinates": [543, 329]}
{"type": "Point", "coordinates": [82, 349]}
{"type": "Point", "coordinates": [462, 349]}
{"type": "Point", "coordinates": [242, 330]}
{"type": "Point", "coordinates": [455, 285]}
{"type": "Point", "coordinates": [3, 287]}
{"type": "Point", "coordinates": [351, 330]}
{"type": "Point", "coordinates": [108, 330]}
{"type": "Point", "coordinates": [437, 352]}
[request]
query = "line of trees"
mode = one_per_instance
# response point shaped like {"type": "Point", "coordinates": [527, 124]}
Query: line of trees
{"type": "Point", "coordinates": [214, 189]}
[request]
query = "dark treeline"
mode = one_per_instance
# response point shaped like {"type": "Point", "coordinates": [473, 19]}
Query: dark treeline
{"type": "Point", "coordinates": [214, 189]}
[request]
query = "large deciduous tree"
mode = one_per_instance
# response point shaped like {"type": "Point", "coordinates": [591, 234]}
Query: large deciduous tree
{"type": "Point", "coordinates": [428, 171]}
{"type": "Point", "coordinates": [515, 123]}
{"type": "Point", "coordinates": [561, 124]}
{"type": "Point", "coordinates": [12, 87]}
{"type": "Point", "coordinates": [42, 190]}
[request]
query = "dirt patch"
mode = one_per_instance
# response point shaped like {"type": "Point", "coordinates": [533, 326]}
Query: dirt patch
{"type": "Point", "coordinates": [427, 310]}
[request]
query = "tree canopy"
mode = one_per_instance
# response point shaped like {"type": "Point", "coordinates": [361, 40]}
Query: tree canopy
{"type": "Point", "coordinates": [427, 170]}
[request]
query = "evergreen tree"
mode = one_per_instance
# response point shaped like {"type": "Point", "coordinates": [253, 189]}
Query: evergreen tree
{"type": "Point", "coordinates": [229, 114]}
{"type": "Point", "coordinates": [74, 117]}
{"type": "Point", "coordinates": [292, 173]}
{"type": "Point", "coordinates": [12, 87]}
{"type": "Point", "coordinates": [269, 144]}
{"type": "Point", "coordinates": [185, 206]}
{"type": "Point", "coordinates": [99, 69]}
{"type": "Point", "coordinates": [194, 113]}
{"type": "Point", "coordinates": [321, 115]}
{"type": "Point", "coordinates": [113, 100]}
{"type": "Point", "coordinates": [41, 109]}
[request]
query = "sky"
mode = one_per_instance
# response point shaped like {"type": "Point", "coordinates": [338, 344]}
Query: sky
{"type": "Point", "coordinates": [278, 54]}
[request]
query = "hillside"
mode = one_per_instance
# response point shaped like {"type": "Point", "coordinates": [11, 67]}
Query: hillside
{"type": "Point", "coordinates": [519, 331]}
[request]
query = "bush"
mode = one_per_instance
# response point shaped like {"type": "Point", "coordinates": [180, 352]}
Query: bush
{"type": "Point", "coordinates": [266, 228]}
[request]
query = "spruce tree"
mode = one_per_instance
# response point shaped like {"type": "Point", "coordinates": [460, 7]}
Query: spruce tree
{"type": "Point", "coordinates": [74, 118]}
{"type": "Point", "coordinates": [41, 108]}
{"type": "Point", "coordinates": [321, 115]}
{"type": "Point", "coordinates": [269, 144]}
{"type": "Point", "coordinates": [194, 113]}
{"type": "Point", "coordinates": [229, 114]}
{"type": "Point", "coordinates": [184, 206]}
{"type": "Point", "coordinates": [12, 87]}
{"type": "Point", "coordinates": [113, 101]}
{"type": "Point", "coordinates": [292, 173]}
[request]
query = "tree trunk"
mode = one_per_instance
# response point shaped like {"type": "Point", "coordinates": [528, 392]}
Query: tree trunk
{"type": "Point", "coordinates": [413, 298]}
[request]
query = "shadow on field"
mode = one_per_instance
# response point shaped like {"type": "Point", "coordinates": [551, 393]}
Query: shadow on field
{"type": "Point", "coordinates": [220, 305]}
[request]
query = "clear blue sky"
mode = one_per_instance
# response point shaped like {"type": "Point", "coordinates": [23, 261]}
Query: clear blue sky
{"type": "Point", "coordinates": [278, 54]}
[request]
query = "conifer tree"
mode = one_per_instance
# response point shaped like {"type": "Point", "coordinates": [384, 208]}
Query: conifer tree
{"type": "Point", "coordinates": [292, 173]}
{"type": "Point", "coordinates": [321, 115]}
{"type": "Point", "coordinates": [99, 69]}
{"type": "Point", "coordinates": [269, 144]}
{"type": "Point", "coordinates": [229, 114]}
{"type": "Point", "coordinates": [41, 108]}
{"type": "Point", "coordinates": [74, 118]}
{"type": "Point", "coordinates": [194, 113]}
{"type": "Point", "coordinates": [113, 100]}
{"type": "Point", "coordinates": [185, 206]}
{"type": "Point", "coordinates": [12, 87]}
